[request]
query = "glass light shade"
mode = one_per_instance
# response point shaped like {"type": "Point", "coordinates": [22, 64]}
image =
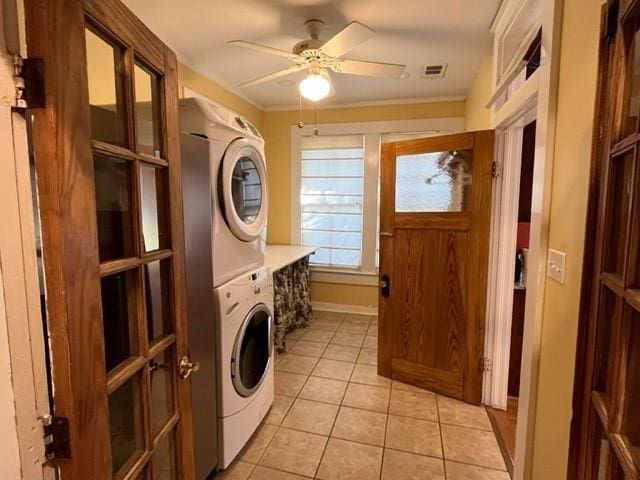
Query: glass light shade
{"type": "Point", "coordinates": [315, 87]}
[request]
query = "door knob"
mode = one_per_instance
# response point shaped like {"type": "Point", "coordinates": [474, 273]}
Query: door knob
{"type": "Point", "coordinates": [385, 285]}
{"type": "Point", "coordinates": [186, 367]}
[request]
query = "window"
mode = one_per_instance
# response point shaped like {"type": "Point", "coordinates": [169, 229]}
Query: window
{"type": "Point", "coordinates": [331, 199]}
{"type": "Point", "coordinates": [335, 195]}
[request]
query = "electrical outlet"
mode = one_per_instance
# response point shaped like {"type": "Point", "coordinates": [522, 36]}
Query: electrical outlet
{"type": "Point", "coordinates": [556, 265]}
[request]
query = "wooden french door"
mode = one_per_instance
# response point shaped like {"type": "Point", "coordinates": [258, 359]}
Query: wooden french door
{"type": "Point", "coordinates": [108, 168]}
{"type": "Point", "coordinates": [606, 425]}
{"type": "Point", "coordinates": [434, 237]}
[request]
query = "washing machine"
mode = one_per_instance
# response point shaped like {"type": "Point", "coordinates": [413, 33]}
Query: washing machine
{"type": "Point", "coordinates": [244, 308]}
{"type": "Point", "coordinates": [239, 192]}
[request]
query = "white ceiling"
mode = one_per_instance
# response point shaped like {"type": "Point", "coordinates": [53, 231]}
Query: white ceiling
{"type": "Point", "coordinates": [410, 32]}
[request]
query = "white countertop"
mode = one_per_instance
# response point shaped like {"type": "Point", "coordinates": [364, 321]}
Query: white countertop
{"type": "Point", "coordinates": [278, 256]}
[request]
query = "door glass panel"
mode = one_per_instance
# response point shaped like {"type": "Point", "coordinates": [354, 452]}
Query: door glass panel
{"type": "Point", "coordinates": [434, 182]}
{"type": "Point", "coordinates": [118, 317]}
{"type": "Point", "coordinates": [157, 297]}
{"type": "Point", "coordinates": [246, 190]}
{"type": "Point", "coordinates": [604, 342]}
{"type": "Point", "coordinates": [106, 110]}
{"type": "Point", "coordinates": [125, 423]}
{"type": "Point", "coordinates": [632, 103]}
{"type": "Point", "coordinates": [154, 224]}
{"type": "Point", "coordinates": [617, 209]}
{"type": "Point", "coordinates": [147, 132]}
{"type": "Point", "coordinates": [164, 459]}
{"type": "Point", "coordinates": [631, 419]}
{"type": "Point", "coordinates": [114, 209]}
{"type": "Point", "coordinates": [162, 405]}
{"type": "Point", "coordinates": [254, 351]}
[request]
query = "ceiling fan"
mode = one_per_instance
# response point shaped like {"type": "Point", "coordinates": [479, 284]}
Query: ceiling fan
{"type": "Point", "coordinates": [318, 57]}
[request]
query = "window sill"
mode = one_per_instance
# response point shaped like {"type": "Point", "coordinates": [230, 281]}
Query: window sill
{"type": "Point", "coordinates": [344, 276]}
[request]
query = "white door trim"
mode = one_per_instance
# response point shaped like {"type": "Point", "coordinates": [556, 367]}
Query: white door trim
{"type": "Point", "coordinates": [534, 99]}
{"type": "Point", "coordinates": [24, 398]}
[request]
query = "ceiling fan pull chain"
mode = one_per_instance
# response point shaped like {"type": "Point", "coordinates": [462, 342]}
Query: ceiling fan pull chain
{"type": "Point", "coordinates": [300, 122]}
{"type": "Point", "coordinates": [315, 119]}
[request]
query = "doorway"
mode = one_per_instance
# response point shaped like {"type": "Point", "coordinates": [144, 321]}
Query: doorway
{"type": "Point", "coordinates": [505, 420]}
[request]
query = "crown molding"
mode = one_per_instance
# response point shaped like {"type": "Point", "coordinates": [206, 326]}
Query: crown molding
{"type": "Point", "coordinates": [374, 103]}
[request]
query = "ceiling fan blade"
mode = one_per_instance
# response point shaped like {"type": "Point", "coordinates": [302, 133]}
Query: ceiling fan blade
{"type": "Point", "coordinates": [263, 48]}
{"type": "Point", "coordinates": [347, 39]}
{"type": "Point", "coordinates": [273, 76]}
{"type": "Point", "coordinates": [370, 69]}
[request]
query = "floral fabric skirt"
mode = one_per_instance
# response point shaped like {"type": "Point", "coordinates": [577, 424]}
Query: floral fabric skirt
{"type": "Point", "coordinates": [292, 300]}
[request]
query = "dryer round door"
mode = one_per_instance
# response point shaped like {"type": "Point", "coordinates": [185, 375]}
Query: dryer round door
{"type": "Point", "coordinates": [244, 190]}
{"type": "Point", "coordinates": [252, 351]}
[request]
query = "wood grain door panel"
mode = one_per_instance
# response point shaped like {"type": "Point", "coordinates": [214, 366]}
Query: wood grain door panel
{"type": "Point", "coordinates": [432, 322]}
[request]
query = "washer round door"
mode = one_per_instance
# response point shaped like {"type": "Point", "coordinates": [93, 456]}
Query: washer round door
{"type": "Point", "coordinates": [244, 190]}
{"type": "Point", "coordinates": [252, 351]}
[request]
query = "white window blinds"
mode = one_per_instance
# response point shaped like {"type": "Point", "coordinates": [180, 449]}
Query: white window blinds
{"type": "Point", "coordinates": [331, 199]}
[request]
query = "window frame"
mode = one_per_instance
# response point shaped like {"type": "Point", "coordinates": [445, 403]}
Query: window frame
{"type": "Point", "coordinates": [372, 133]}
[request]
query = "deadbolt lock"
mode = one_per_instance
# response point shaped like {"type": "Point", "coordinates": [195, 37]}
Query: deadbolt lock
{"type": "Point", "coordinates": [186, 367]}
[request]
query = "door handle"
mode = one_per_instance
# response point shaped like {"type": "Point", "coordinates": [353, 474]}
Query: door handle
{"type": "Point", "coordinates": [386, 234]}
{"type": "Point", "coordinates": [385, 285]}
{"type": "Point", "coordinates": [186, 367]}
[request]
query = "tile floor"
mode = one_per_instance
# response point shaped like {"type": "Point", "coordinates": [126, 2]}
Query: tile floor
{"type": "Point", "coordinates": [334, 418]}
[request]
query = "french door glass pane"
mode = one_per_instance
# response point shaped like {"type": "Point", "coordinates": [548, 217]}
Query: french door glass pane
{"type": "Point", "coordinates": [617, 209]}
{"type": "Point", "coordinates": [162, 404]}
{"type": "Point", "coordinates": [114, 207]}
{"type": "Point", "coordinates": [125, 423]}
{"type": "Point", "coordinates": [118, 317]}
{"type": "Point", "coordinates": [155, 233]}
{"type": "Point", "coordinates": [434, 182]}
{"type": "Point", "coordinates": [147, 108]}
{"type": "Point", "coordinates": [157, 297]}
{"type": "Point", "coordinates": [632, 105]}
{"type": "Point", "coordinates": [604, 342]}
{"type": "Point", "coordinates": [164, 459]}
{"type": "Point", "coordinates": [631, 419]}
{"type": "Point", "coordinates": [103, 60]}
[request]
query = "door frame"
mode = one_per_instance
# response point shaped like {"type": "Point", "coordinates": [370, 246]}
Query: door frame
{"type": "Point", "coordinates": [24, 399]}
{"type": "Point", "coordinates": [535, 99]}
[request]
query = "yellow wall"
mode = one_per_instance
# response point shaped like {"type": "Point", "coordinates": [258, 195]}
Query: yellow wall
{"type": "Point", "coordinates": [197, 82]}
{"type": "Point", "coordinates": [277, 134]}
{"type": "Point", "coordinates": [575, 111]}
{"type": "Point", "coordinates": [477, 116]}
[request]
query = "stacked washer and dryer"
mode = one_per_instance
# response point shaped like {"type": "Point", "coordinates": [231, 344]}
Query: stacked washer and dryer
{"type": "Point", "coordinates": [229, 290]}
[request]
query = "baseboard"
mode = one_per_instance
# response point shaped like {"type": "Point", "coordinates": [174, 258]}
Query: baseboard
{"type": "Point", "coordinates": [344, 308]}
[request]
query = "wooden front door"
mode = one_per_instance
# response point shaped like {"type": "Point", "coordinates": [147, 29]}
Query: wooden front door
{"type": "Point", "coordinates": [108, 171]}
{"type": "Point", "coordinates": [434, 237]}
{"type": "Point", "coordinates": [605, 440]}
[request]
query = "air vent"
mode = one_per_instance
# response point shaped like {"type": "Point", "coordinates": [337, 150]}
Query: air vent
{"type": "Point", "coordinates": [434, 71]}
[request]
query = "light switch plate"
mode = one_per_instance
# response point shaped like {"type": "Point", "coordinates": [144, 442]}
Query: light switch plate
{"type": "Point", "coordinates": [556, 265]}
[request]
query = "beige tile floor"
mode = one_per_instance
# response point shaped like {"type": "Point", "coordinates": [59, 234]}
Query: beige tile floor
{"type": "Point", "coordinates": [334, 418]}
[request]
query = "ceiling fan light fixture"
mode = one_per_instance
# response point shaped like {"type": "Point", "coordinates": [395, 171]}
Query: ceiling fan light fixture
{"type": "Point", "coordinates": [315, 87]}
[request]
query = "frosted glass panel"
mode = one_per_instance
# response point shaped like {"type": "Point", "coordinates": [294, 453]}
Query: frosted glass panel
{"type": "Point", "coordinates": [434, 182]}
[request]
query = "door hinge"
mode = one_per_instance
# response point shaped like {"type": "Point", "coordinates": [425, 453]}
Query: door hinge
{"type": "Point", "coordinates": [56, 438]}
{"type": "Point", "coordinates": [29, 81]}
{"type": "Point", "coordinates": [487, 364]}
{"type": "Point", "coordinates": [496, 169]}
